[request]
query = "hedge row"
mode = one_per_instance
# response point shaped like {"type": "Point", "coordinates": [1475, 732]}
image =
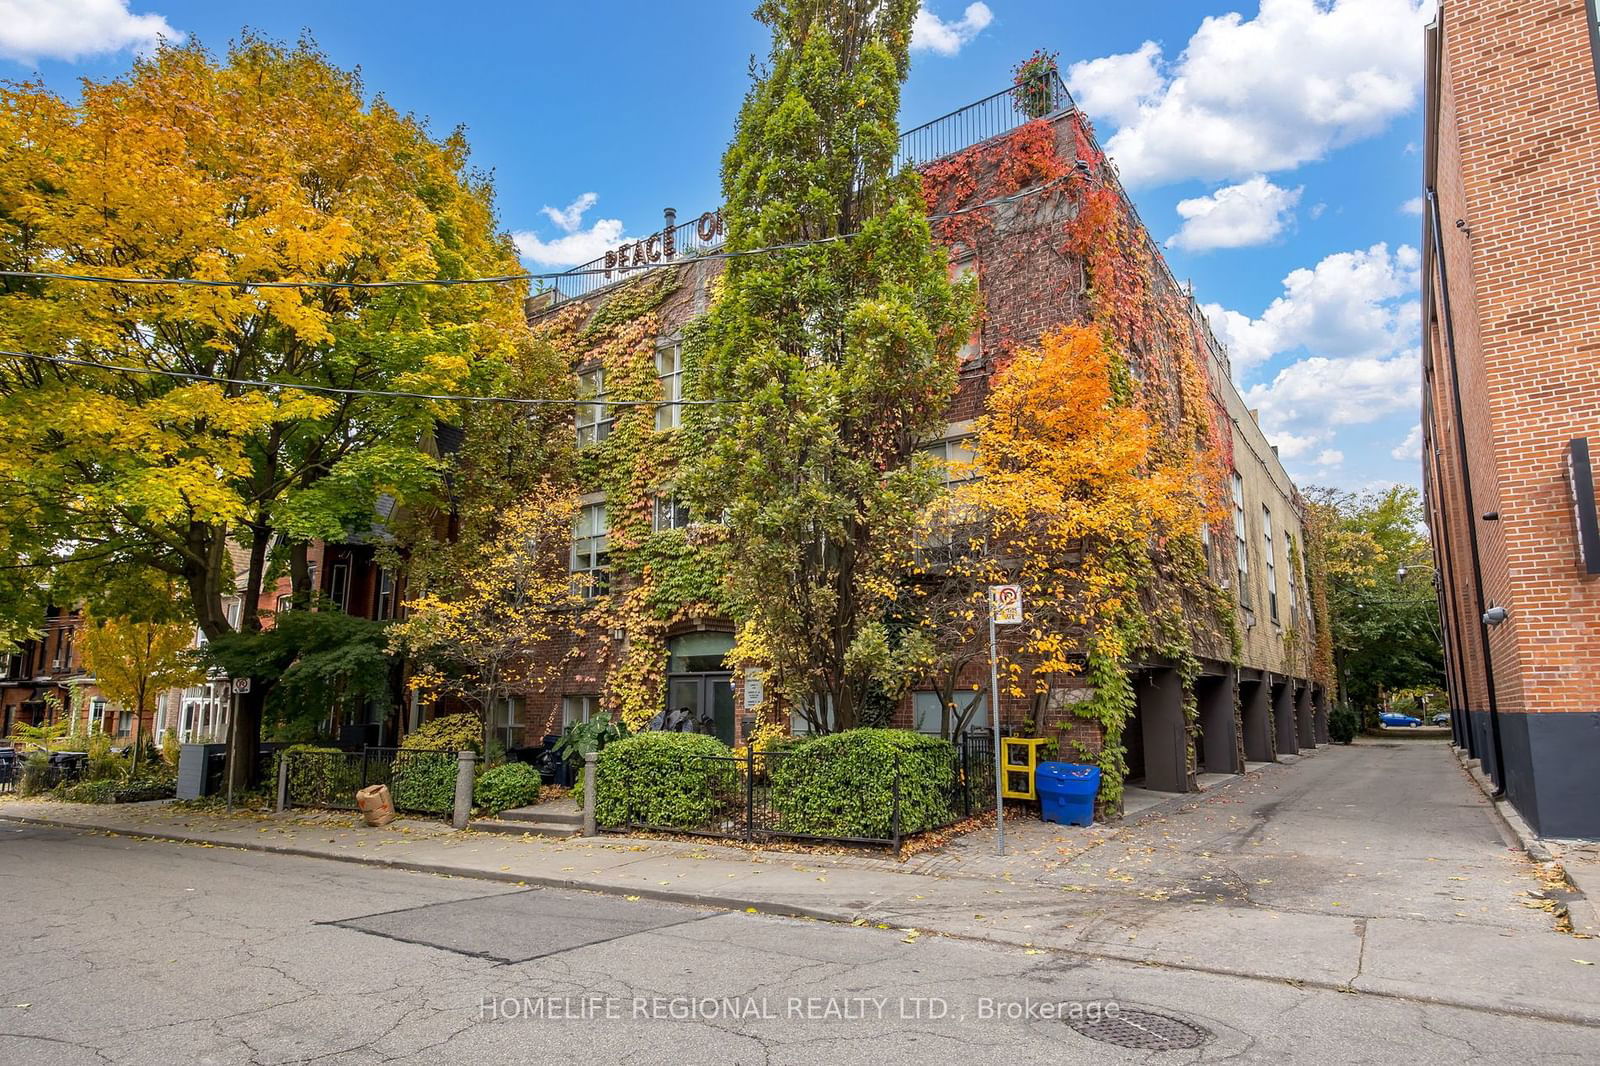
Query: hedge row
{"type": "Point", "coordinates": [677, 780]}
{"type": "Point", "coordinates": [841, 785]}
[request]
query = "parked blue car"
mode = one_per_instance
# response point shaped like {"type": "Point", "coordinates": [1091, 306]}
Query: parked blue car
{"type": "Point", "coordinates": [1391, 719]}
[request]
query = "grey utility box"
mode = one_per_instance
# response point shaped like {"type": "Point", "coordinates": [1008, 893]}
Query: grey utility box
{"type": "Point", "coordinates": [195, 762]}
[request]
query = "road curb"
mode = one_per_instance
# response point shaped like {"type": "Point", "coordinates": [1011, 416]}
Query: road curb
{"type": "Point", "coordinates": [1583, 909]}
{"type": "Point", "coordinates": [1510, 821]}
{"type": "Point", "coordinates": [709, 900]}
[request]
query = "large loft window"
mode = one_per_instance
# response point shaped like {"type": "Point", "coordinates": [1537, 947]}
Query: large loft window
{"type": "Point", "coordinates": [1241, 548]}
{"type": "Point", "coordinates": [594, 415]}
{"type": "Point", "coordinates": [591, 556]}
{"type": "Point", "coordinates": [1272, 566]}
{"type": "Point", "coordinates": [669, 370]}
{"type": "Point", "coordinates": [1294, 579]}
{"type": "Point", "coordinates": [671, 512]}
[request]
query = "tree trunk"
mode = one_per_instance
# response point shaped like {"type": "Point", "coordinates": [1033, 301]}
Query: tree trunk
{"type": "Point", "coordinates": [244, 738]}
{"type": "Point", "coordinates": [299, 577]}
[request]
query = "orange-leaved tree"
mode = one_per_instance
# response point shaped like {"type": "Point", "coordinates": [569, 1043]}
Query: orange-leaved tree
{"type": "Point", "coordinates": [1075, 496]}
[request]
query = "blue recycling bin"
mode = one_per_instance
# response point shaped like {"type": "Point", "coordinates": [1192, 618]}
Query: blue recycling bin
{"type": "Point", "coordinates": [1067, 791]}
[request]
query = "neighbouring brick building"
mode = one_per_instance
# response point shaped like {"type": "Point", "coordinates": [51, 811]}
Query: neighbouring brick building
{"type": "Point", "coordinates": [1265, 698]}
{"type": "Point", "coordinates": [1511, 391]}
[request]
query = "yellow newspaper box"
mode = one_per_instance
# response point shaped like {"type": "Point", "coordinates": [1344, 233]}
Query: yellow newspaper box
{"type": "Point", "coordinates": [1019, 757]}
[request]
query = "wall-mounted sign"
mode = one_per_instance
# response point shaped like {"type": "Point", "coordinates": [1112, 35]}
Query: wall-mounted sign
{"type": "Point", "coordinates": [754, 688]}
{"type": "Point", "coordinates": [1005, 602]}
{"type": "Point", "coordinates": [1580, 480]}
{"type": "Point", "coordinates": [663, 245]}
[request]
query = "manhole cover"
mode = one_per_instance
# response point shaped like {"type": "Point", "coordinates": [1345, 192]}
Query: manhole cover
{"type": "Point", "coordinates": [1145, 1030]}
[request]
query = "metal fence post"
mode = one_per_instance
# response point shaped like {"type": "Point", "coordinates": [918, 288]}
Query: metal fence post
{"type": "Point", "coordinates": [966, 779]}
{"type": "Point", "coordinates": [283, 781]}
{"type": "Point", "coordinates": [465, 761]}
{"type": "Point", "coordinates": [364, 781]}
{"type": "Point", "coordinates": [895, 817]}
{"type": "Point", "coordinates": [589, 762]}
{"type": "Point", "coordinates": [749, 790]}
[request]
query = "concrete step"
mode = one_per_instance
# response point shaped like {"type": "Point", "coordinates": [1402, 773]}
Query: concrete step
{"type": "Point", "coordinates": [554, 815]}
{"type": "Point", "coordinates": [538, 829]}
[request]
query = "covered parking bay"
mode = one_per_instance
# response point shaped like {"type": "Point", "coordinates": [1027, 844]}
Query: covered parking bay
{"type": "Point", "coordinates": [1217, 740]}
{"type": "Point", "coordinates": [1255, 704]}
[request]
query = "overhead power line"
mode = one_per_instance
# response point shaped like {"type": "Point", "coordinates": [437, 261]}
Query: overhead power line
{"type": "Point", "coordinates": [503, 279]}
{"type": "Point", "coordinates": [331, 390]}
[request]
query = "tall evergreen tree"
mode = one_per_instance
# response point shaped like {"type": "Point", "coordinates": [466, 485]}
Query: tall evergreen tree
{"type": "Point", "coordinates": [838, 357]}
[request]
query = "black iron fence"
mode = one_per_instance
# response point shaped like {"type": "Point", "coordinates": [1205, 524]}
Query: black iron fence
{"type": "Point", "coordinates": [787, 795]}
{"type": "Point", "coordinates": [419, 781]}
{"type": "Point", "coordinates": [21, 771]}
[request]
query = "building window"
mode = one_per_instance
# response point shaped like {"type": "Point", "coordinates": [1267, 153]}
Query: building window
{"type": "Point", "coordinates": [576, 709]}
{"type": "Point", "coordinates": [1272, 568]}
{"type": "Point", "coordinates": [97, 715]}
{"type": "Point", "coordinates": [669, 368]}
{"type": "Point", "coordinates": [956, 457]}
{"type": "Point", "coordinates": [1241, 549]}
{"type": "Point", "coordinates": [671, 513]}
{"type": "Point", "coordinates": [970, 711]}
{"type": "Point", "coordinates": [590, 552]}
{"type": "Point", "coordinates": [507, 724]}
{"type": "Point", "coordinates": [1294, 580]}
{"type": "Point", "coordinates": [594, 422]}
{"type": "Point", "coordinates": [967, 268]}
{"type": "Point", "coordinates": [384, 606]}
{"type": "Point", "coordinates": [339, 584]}
{"type": "Point", "coordinates": [124, 723]}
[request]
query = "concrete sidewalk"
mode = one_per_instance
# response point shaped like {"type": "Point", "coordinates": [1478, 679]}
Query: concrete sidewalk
{"type": "Point", "coordinates": [1304, 875]}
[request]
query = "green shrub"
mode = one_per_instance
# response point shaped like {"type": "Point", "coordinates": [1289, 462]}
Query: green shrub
{"type": "Point", "coordinates": [35, 774]}
{"type": "Point", "coordinates": [88, 791]}
{"type": "Point", "coordinates": [514, 784]}
{"type": "Point", "coordinates": [842, 785]}
{"type": "Point", "coordinates": [1343, 725]}
{"type": "Point", "coordinates": [678, 780]}
{"type": "Point", "coordinates": [453, 732]}
{"type": "Point", "coordinates": [424, 781]}
{"type": "Point", "coordinates": [581, 738]}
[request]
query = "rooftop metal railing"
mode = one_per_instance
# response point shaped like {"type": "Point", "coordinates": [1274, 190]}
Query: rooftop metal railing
{"type": "Point", "coordinates": [979, 121]}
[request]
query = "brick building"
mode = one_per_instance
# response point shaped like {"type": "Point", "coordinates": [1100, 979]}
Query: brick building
{"type": "Point", "coordinates": [623, 320]}
{"type": "Point", "coordinates": [1511, 391]}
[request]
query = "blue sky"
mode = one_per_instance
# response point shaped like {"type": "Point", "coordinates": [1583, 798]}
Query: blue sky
{"type": "Point", "coordinates": [1272, 144]}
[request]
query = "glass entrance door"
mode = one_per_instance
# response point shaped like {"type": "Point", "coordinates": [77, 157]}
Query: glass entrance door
{"type": "Point", "coordinates": [701, 703]}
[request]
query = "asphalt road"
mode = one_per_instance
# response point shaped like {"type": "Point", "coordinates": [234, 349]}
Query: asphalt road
{"type": "Point", "coordinates": [124, 951]}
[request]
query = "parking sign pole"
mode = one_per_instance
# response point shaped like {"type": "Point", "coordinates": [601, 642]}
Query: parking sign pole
{"type": "Point", "coordinates": [994, 720]}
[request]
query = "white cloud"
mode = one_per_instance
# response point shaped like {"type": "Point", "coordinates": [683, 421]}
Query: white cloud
{"type": "Point", "coordinates": [1410, 449]}
{"type": "Point", "coordinates": [31, 30]}
{"type": "Point", "coordinates": [1312, 399]}
{"type": "Point", "coordinates": [1249, 96]}
{"type": "Point", "coordinates": [1413, 206]}
{"type": "Point", "coordinates": [1235, 216]}
{"type": "Point", "coordinates": [1349, 304]}
{"type": "Point", "coordinates": [1352, 320]}
{"type": "Point", "coordinates": [569, 218]}
{"type": "Point", "coordinates": [930, 33]}
{"type": "Point", "coordinates": [577, 245]}
{"type": "Point", "coordinates": [1112, 88]}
